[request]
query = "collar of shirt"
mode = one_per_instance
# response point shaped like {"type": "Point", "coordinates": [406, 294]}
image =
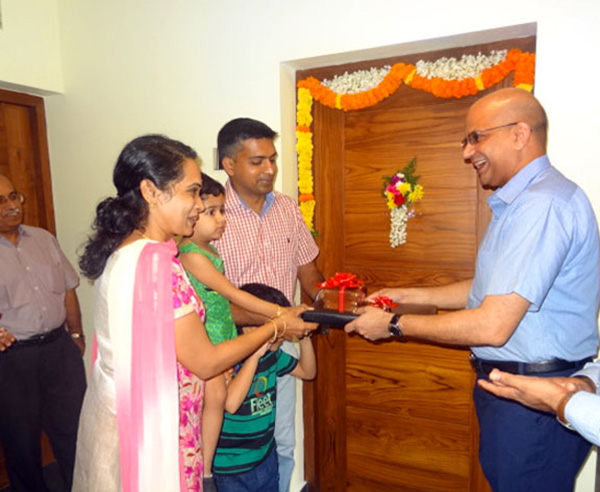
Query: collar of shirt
{"type": "Point", "coordinates": [22, 232]}
{"type": "Point", "coordinates": [504, 196]}
{"type": "Point", "coordinates": [234, 200]}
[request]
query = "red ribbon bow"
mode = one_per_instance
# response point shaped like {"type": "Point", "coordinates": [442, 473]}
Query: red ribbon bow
{"type": "Point", "coordinates": [383, 302]}
{"type": "Point", "coordinates": [342, 280]}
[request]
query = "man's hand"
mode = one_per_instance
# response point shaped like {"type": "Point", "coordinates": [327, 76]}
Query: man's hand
{"type": "Point", "coordinates": [372, 323]}
{"type": "Point", "coordinates": [396, 295]}
{"type": "Point", "coordinates": [539, 393]}
{"type": "Point", "coordinates": [6, 339]}
{"type": "Point", "coordinates": [80, 342]}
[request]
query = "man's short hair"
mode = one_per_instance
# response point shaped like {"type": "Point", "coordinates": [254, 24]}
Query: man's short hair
{"type": "Point", "coordinates": [238, 130]}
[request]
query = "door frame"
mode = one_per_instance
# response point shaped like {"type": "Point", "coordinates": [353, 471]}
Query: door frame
{"type": "Point", "coordinates": [42, 180]}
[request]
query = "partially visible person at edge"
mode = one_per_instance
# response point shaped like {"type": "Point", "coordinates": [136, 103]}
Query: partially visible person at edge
{"type": "Point", "coordinates": [532, 305]}
{"type": "Point", "coordinates": [42, 378]}
{"type": "Point", "coordinates": [140, 427]}
{"type": "Point", "coordinates": [574, 400]}
{"type": "Point", "coordinates": [266, 241]}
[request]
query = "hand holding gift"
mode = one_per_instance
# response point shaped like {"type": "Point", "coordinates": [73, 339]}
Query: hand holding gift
{"type": "Point", "coordinates": [341, 297]}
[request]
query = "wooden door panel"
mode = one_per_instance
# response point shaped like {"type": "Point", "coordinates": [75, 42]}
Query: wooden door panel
{"type": "Point", "coordinates": [360, 484]}
{"type": "Point", "coordinates": [24, 155]}
{"type": "Point", "coordinates": [20, 157]}
{"type": "Point", "coordinates": [379, 276]}
{"type": "Point", "coordinates": [377, 144]}
{"type": "Point", "coordinates": [409, 380]}
{"type": "Point", "coordinates": [398, 451]}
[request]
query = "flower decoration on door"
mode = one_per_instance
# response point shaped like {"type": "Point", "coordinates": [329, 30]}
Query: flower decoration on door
{"type": "Point", "coordinates": [304, 148]}
{"type": "Point", "coordinates": [401, 191]}
{"type": "Point", "coordinates": [444, 78]}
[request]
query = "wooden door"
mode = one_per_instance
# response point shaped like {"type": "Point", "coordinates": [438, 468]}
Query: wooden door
{"type": "Point", "coordinates": [24, 159]}
{"type": "Point", "coordinates": [394, 416]}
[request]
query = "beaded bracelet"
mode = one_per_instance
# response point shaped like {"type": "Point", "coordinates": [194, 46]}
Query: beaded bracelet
{"type": "Point", "coordinates": [278, 312]}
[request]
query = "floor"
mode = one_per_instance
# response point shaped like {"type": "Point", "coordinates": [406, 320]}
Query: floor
{"type": "Point", "coordinates": [52, 476]}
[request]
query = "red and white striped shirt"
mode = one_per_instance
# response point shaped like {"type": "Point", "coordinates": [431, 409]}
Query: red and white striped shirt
{"type": "Point", "coordinates": [266, 248]}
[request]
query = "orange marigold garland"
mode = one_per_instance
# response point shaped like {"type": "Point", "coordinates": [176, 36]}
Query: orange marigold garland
{"type": "Point", "coordinates": [304, 148]}
{"type": "Point", "coordinates": [521, 64]}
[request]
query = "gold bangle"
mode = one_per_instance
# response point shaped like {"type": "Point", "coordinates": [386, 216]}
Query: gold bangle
{"type": "Point", "coordinates": [275, 332]}
{"type": "Point", "coordinates": [284, 329]}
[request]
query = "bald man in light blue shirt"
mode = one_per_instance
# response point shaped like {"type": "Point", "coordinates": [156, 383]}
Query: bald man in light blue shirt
{"type": "Point", "coordinates": [531, 307]}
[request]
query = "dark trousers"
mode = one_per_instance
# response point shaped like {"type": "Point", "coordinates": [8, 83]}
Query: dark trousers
{"type": "Point", "coordinates": [41, 387]}
{"type": "Point", "coordinates": [523, 450]}
{"type": "Point", "coordinates": [262, 478]}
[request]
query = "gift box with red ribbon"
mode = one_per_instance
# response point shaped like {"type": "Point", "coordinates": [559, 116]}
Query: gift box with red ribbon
{"type": "Point", "coordinates": [344, 292]}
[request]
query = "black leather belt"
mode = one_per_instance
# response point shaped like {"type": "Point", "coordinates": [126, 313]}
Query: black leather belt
{"type": "Point", "coordinates": [527, 368]}
{"type": "Point", "coordinates": [41, 339]}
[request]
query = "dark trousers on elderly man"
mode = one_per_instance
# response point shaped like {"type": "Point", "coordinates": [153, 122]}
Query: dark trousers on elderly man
{"type": "Point", "coordinates": [42, 384]}
{"type": "Point", "coordinates": [523, 450]}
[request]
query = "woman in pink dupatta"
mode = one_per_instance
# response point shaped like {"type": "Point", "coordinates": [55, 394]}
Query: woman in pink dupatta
{"type": "Point", "coordinates": [140, 428]}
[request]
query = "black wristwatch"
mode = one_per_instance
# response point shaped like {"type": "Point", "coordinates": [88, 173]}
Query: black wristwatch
{"type": "Point", "coordinates": [394, 326]}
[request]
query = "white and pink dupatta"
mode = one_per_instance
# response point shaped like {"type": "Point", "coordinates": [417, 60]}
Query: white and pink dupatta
{"type": "Point", "coordinates": [141, 320]}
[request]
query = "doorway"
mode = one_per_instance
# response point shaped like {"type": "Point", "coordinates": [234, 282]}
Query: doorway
{"type": "Point", "coordinates": [395, 416]}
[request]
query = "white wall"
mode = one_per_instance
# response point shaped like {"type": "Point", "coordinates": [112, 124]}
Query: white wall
{"type": "Point", "coordinates": [30, 47]}
{"type": "Point", "coordinates": [186, 67]}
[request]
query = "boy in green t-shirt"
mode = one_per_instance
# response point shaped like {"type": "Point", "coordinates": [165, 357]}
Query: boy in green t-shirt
{"type": "Point", "coordinates": [246, 458]}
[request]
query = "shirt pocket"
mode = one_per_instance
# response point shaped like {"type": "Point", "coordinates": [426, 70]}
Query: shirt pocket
{"type": "Point", "coordinates": [51, 278]}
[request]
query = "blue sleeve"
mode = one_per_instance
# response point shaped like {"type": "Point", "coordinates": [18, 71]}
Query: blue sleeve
{"type": "Point", "coordinates": [592, 372]}
{"type": "Point", "coordinates": [285, 363]}
{"type": "Point", "coordinates": [533, 249]}
{"type": "Point", "coordinates": [583, 413]}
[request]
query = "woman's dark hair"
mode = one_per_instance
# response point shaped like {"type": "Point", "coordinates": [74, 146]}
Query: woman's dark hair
{"type": "Point", "coordinates": [211, 186]}
{"type": "Point", "coordinates": [266, 293]}
{"type": "Point", "coordinates": [153, 157]}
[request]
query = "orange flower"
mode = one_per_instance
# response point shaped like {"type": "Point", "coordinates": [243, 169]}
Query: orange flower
{"type": "Point", "coordinates": [522, 65]}
{"type": "Point", "coordinates": [305, 197]}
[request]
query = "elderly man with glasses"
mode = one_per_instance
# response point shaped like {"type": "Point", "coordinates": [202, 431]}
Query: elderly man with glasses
{"type": "Point", "coordinates": [532, 306]}
{"type": "Point", "coordinates": [42, 379]}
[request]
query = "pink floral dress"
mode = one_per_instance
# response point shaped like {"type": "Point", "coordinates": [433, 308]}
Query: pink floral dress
{"type": "Point", "coordinates": [191, 388]}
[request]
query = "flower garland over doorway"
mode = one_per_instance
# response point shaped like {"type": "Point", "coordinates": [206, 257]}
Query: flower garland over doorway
{"type": "Point", "coordinates": [445, 78]}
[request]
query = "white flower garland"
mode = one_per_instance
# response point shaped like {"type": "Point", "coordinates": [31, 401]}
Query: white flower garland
{"type": "Point", "coordinates": [359, 81]}
{"type": "Point", "coordinates": [453, 69]}
{"type": "Point", "coordinates": [399, 218]}
{"type": "Point", "coordinates": [445, 68]}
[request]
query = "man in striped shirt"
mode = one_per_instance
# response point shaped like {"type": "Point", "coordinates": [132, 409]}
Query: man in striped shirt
{"type": "Point", "coordinates": [266, 241]}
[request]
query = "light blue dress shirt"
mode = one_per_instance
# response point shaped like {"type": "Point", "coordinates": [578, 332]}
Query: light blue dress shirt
{"type": "Point", "coordinates": [583, 409]}
{"type": "Point", "coordinates": [542, 243]}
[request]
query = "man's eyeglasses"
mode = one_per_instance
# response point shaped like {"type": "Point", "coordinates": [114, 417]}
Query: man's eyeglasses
{"type": "Point", "coordinates": [12, 197]}
{"type": "Point", "coordinates": [473, 137]}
